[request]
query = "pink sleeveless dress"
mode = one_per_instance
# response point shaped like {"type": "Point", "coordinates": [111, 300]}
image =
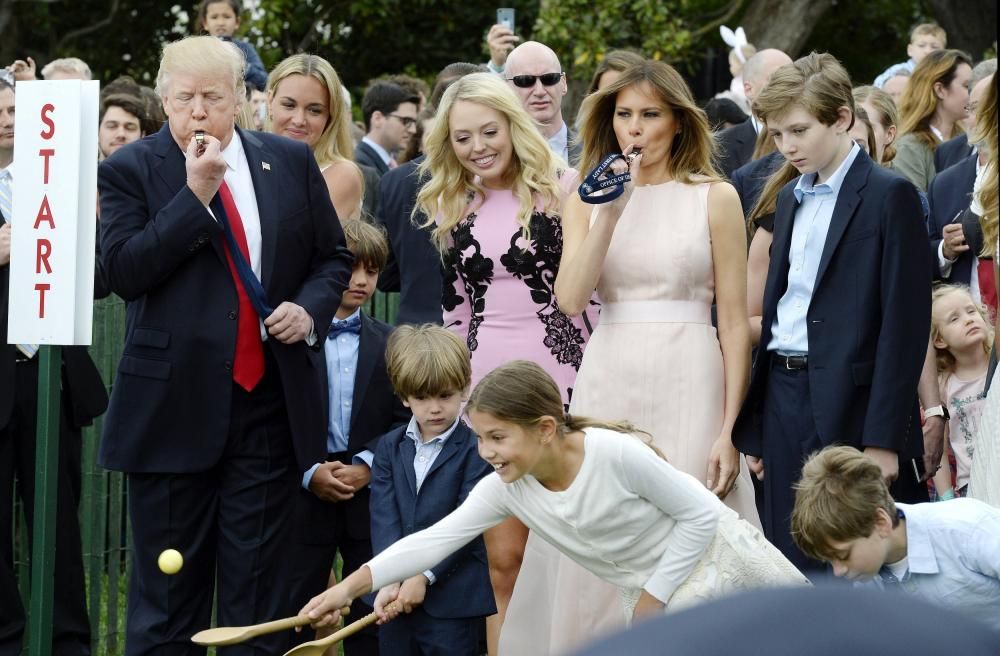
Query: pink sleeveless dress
{"type": "Point", "coordinates": [655, 360]}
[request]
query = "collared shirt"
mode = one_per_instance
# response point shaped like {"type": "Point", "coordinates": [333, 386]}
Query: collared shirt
{"type": "Point", "coordinates": [382, 152]}
{"type": "Point", "coordinates": [809, 230]}
{"type": "Point", "coordinates": [7, 202]}
{"type": "Point", "coordinates": [426, 452]}
{"type": "Point", "coordinates": [559, 142]}
{"type": "Point", "coordinates": [755, 122]}
{"type": "Point", "coordinates": [240, 184]}
{"type": "Point", "coordinates": [953, 554]}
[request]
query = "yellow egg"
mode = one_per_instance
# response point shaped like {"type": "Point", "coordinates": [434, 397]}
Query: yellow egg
{"type": "Point", "coordinates": [170, 561]}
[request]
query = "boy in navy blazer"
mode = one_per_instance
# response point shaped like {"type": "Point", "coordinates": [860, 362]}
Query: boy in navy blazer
{"type": "Point", "coordinates": [331, 510]}
{"type": "Point", "coordinates": [421, 473]}
{"type": "Point", "coordinates": [846, 311]}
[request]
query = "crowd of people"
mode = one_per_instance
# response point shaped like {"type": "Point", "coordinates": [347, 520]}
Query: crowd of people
{"type": "Point", "coordinates": [644, 359]}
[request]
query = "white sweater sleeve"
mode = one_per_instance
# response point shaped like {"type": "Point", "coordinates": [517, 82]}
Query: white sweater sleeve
{"type": "Point", "coordinates": [682, 498]}
{"type": "Point", "coordinates": [420, 551]}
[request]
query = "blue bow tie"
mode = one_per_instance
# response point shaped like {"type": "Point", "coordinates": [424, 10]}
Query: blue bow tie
{"type": "Point", "coordinates": [352, 325]}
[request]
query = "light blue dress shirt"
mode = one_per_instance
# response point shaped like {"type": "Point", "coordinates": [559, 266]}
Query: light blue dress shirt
{"type": "Point", "coordinates": [341, 366]}
{"type": "Point", "coordinates": [789, 332]}
{"type": "Point", "coordinates": [953, 556]}
{"type": "Point", "coordinates": [559, 142]}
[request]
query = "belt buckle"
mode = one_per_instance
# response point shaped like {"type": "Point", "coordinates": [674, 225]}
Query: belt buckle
{"type": "Point", "coordinates": [788, 363]}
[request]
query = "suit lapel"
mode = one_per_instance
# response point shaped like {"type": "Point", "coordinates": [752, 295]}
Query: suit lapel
{"type": "Point", "coordinates": [777, 273]}
{"type": "Point", "coordinates": [265, 189]}
{"type": "Point", "coordinates": [843, 211]}
{"type": "Point", "coordinates": [367, 357]}
{"type": "Point", "coordinates": [406, 453]}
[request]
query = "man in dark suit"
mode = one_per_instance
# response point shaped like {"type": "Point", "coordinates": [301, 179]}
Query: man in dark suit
{"type": "Point", "coordinates": [736, 144]}
{"type": "Point", "coordinates": [83, 398]}
{"type": "Point", "coordinates": [949, 196]}
{"type": "Point", "coordinates": [219, 401]}
{"type": "Point", "coordinates": [390, 116]}
{"type": "Point", "coordinates": [331, 508]}
{"type": "Point", "coordinates": [952, 152]}
{"type": "Point", "coordinates": [840, 353]}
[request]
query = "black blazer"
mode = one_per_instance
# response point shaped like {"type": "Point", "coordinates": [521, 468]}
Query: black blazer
{"type": "Point", "coordinates": [736, 147]}
{"type": "Point", "coordinates": [462, 587]}
{"type": "Point", "coordinates": [868, 320]}
{"type": "Point", "coordinates": [163, 254]}
{"type": "Point", "coordinates": [949, 196]}
{"type": "Point", "coordinates": [83, 389]}
{"type": "Point", "coordinates": [952, 152]}
{"type": "Point", "coordinates": [749, 179]}
{"type": "Point", "coordinates": [365, 155]}
{"type": "Point", "coordinates": [414, 267]}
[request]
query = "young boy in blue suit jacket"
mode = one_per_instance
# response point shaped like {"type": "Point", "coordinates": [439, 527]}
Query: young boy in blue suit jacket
{"type": "Point", "coordinates": [421, 472]}
{"type": "Point", "coordinates": [331, 511]}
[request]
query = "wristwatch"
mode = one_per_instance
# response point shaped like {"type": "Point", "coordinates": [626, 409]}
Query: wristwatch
{"type": "Point", "coordinates": [937, 411]}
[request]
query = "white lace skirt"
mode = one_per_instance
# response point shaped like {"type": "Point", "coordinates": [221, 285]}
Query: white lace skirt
{"type": "Point", "coordinates": [738, 558]}
{"type": "Point", "coordinates": [984, 477]}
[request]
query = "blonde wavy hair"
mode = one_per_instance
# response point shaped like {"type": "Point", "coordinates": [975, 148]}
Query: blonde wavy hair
{"type": "Point", "coordinates": [945, 360]}
{"type": "Point", "coordinates": [335, 144]}
{"type": "Point", "coordinates": [985, 134]}
{"type": "Point", "coordinates": [447, 196]}
{"type": "Point", "coordinates": [817, 83]}
{"type": "Point", "coordinates": [885, 114]}
{"type": "Point", "coordinates": [919, 101]}
{"type": "Point", "coordinates": [693, 148]}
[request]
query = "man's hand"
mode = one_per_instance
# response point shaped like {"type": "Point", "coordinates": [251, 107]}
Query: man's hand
{"type": "Point", "coordinates": [756, 466]}
{"type": "Point", "coordinates": [23, 71]}
{"type": "Point", "coordinates": [325, 484]}
{"type": "Point", "coordinates": [384, 608]}
{"type": "Point", "coordinates": [888, 462]}
{"type": "Point", "coordinates": [205, 171]}
{"type": "Point", "coordinates": [355, 476]}
{"type": "Point", "coordinates": [5, 244]}
{"type": "Point", "coordinates": [501, 41]}
{"type": "Point", "coordinates": [412, 593]}
{"type": "Point", "coordinates": [953, 241]}
{"type": "Point", "coordinates": [289, 323]}
{"type": "Point", "coordinates": [933, 430]}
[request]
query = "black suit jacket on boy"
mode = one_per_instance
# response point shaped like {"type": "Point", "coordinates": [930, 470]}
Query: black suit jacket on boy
{"type": "Point", "coordinates": [868, 319]}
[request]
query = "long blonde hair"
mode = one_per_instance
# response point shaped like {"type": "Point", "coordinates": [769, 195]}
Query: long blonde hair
{"type": "Point", "coordinates": [693, 148]}
{"type": "Point", "coordinates": [445, 199]}
{"type": "Point", "coordinates": [335, 144]}
{"type": "Point", "coordinates": [919, 101]}
{"type": "Point", "coordinates": [522, 393]}
{"type": "Point", "coordinates": [945, 360]}
{"type": "Point", "coordinates": [817, 83]}
{"type": "Point", "coordinates": [985, 134]}
{"type": "Point", "coordinates": [885, 115]}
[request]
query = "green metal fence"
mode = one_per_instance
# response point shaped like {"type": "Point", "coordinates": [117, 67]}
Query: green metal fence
{"type": "Point", "coordinates": [103, 517]}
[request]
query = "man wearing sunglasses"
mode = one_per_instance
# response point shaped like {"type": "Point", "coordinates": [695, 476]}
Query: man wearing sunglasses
{"type": "Point", "coordinates": [534, 72]}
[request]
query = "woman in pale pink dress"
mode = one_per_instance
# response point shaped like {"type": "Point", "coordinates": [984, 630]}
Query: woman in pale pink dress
{"type": "Point", "coordinates": [496, 189]}
{"type": "Point", "coordinates": [658, 256]}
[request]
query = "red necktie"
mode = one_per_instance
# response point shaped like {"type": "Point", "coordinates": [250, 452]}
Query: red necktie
{"type": "Point", "coordinates": [987, 285]}
{"type": "Point", "coordinates": [248, 363]}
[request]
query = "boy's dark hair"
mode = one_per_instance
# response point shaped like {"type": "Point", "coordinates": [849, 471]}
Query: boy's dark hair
{"type": "Point", "coordinates": [203, 11]}
{"type": "Point", "coordinates": [126, 102]}
{"type": "Point", "coordinates": [367, 243]}
{"type": "Point", "coordinates": [384, 97]}
{"type": "Point", "coordinates": [449, 74]}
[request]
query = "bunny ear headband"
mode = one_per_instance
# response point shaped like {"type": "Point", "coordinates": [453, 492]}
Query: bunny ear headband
{"type": "Point", "coordinates": [735, 40]}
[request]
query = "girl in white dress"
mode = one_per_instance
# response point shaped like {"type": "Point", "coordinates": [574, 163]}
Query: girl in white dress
{"type": "Point", "coordinates": [594, 490]}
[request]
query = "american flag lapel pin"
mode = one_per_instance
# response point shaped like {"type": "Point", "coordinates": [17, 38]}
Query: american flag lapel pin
{"type": "Point", "coordinates": [265, 165]}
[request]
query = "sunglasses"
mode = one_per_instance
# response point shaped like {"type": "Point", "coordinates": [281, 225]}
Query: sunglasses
{"type": "Point", "coordinates": [528, 81]}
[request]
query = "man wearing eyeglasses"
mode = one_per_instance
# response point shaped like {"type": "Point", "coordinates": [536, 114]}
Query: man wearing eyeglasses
{"type": "Point", "coordinates": [533, 71]}
{"type": "Point", "coordinates": [390, 115]}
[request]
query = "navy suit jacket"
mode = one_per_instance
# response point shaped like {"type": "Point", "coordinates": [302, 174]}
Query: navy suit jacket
{"type": "Point", "coordinates": [414, 267]}
{"type": "Point", "coordinates": [749, 179]}
{"type": "Point", "coordinates": [163, 253]}
{"type": "Point", "coordinates": [462, 588]}
{"type": "Point", "coordinates": [868, 320]}
{"type": "Point", "coordinates": [950, 194]}
{"type": "Point", "coordinates": [952, 152]}
{"type": "Point", "coordinates": [736, 146]}
{"type": "Point", "coordinates": [365, 155]}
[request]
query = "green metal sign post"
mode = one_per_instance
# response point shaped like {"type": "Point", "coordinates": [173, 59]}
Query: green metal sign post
{"type": "Point", "coordinates": [43, 551]}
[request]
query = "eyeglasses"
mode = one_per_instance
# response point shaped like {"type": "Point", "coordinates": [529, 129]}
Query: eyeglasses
{"type": "Point", "coordinates": [528, 81]}
{"type": "Point", "coordinates": [407, 121]}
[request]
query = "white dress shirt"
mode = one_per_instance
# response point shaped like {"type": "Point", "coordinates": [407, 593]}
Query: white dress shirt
{"type": "Point", "coordinates": [240, 184]}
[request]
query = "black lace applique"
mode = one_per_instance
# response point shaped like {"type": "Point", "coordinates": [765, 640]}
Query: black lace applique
{"type": "Point", "coordinates": [466, 260]}
{"type": "Point", "coordinates": [537, 265]}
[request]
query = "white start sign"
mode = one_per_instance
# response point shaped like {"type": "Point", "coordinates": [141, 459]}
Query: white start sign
{"type": "Point", "coordinates": [54, 213]}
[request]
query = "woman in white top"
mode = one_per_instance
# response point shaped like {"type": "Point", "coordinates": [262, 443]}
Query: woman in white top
{"type": "Point", "coordinates": [592, 489]}
{"type": "Point", "coordinates": [305, 103]}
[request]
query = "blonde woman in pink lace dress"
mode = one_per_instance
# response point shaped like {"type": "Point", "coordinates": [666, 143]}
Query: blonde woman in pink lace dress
{"type": "Point", "coordinates": [496, 189]}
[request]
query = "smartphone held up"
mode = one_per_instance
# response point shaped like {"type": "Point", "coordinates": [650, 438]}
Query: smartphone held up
{"type": "Point", "coordinates": [505, 17]}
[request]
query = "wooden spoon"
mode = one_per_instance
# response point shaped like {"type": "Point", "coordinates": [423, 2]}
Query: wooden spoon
{"type": "Point", "coordinates": [233, 635]}
{"type": "Point", "coordinates": [318, 647]}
